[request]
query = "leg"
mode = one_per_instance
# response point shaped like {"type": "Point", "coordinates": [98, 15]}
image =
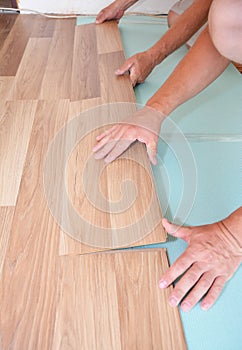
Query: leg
{"type": "Point", "coordinates": [172, 17]}
{"type": "Point", "coordinates": [225, 27]}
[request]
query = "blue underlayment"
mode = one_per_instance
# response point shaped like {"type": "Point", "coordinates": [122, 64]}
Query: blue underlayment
{"type": "Point", "coordinates": [217, 110]}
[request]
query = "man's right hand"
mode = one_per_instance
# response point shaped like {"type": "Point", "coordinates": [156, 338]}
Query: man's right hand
{"type": "Point", "coordinates": [114, 11]}
{"type": "Point", "coordinates": [139, 67]}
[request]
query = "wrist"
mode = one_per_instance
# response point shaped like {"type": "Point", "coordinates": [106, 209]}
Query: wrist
{"type": "Point", "coordinates": [231, 228]}
{"type": "Point", "coordinates": [157, 53]}
{"type": "Point", "coordinates": [233, 224]}
{"type": "Point", "coordinates": [157, 115]}
{"type": "Point", "coordinates": [156, 104]}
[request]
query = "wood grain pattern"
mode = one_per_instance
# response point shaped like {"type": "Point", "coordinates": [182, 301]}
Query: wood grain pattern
{"type": "Point", "coordinates": [6, 23]}
{"type": "Point", "coordinates": [119, 296]}
{"type": "Point", "coordinates": [29, 278]}
{"type": "Point", "coordinates": [57, 78]}
{"type": "Point", "coordinates": [138, 206]}
{"type": "Point", "coordinates": [113, 89]}
{"type": "Point", "coordinates": [28, 80]}
{"type": "Point", "coordinates": [108, 38]}
{"type": "Point", "coordinates": [16, 120]}
{"type": "Point", "coordinates": [6, 218]}
{"type": "Point", "coordinates": [43, 27]}
{"type": "Point", "coordinates": [6, 84]}
{"type": "Point", "coordinates": [15, 44]}
{"type": "Point", "coordinates": [69, 245]}
{"type": "Point", "coordinates": [85, 75]}
{"type": "Point", "coordinates": [41, 292]}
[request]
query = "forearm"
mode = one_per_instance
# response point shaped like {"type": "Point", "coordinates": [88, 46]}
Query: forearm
{"type": "Point", "coordinates": [125, 4]}
{"type": "Point", "coordinates": [200, 66]}
{"type": "Point", "coordinates": [182, 30]}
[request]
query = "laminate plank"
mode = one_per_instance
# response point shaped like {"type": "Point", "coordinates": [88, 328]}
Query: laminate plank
{"type": "Point", "coordinates": [43, 27]}
{"type": "Point", "coordinates": [119, 303]}
{"type": "Point", "coordinates": [14, 46]}
{"type": "Point", "coordinates": [16, 120]}
{"type": "Point", "coordinates": [85, 76]}
{"type": "Point", "coordinates": [108, 38]}
{"type": "Point", "coordinates": [6, 84]}
{"type": "Point", "coordinates": [6, 218]}
{"type": "Point", "coordinates": [114, 88]}
{"type": "Point", "coordinates": [27, 83]}
{"type": "Point", "coordinates": [57, 78]}
{"type": "Point", "coordinates": [67, 243]}
{"type": "Point", "coordinates": [136, 212]}
{"type": "Point", "coordinates": [6, 23]}
{"type": "Point", "coordinates": [30, 271]}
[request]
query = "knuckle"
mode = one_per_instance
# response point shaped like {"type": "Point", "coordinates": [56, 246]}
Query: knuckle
{"type": "Point", "coordinates": [178, 293]}
{"type": "Point", "coordinates": [205, 283]}
{"type": "Point", "coordinates": [180, 266]}
{"type": "Point", "coordinates": [193, 277]}
{"type": "Point", "coordinates": [216, 290]}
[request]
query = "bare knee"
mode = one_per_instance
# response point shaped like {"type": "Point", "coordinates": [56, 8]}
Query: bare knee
{"type": "Point", "coordinates": [172, 17]}
{"type": "Point", "coordinates": [225, 28]}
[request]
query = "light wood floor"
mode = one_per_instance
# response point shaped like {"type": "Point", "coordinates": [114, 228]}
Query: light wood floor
{"type": "Point", "coordinates": [51, 297]}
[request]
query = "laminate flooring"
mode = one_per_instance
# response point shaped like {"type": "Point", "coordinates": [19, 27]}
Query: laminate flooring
{"type": "Point", "coordinates": [115, 319]}
{"type": "Point", "coordinates": [54, 74]}
{"type": "Point", "coordinates": [72, 65]}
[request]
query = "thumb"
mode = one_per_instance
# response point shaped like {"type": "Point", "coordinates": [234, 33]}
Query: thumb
{"type": "Point", "coordinates": [152, 151]}
{"type": "Point", "coordinates": [124, 68]}
{"type": "Point", "coordinates": [101, 17]}
{"type": "Point", "coordinates": [176, 230]}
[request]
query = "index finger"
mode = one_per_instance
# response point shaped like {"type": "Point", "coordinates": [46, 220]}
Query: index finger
{"type": "Point", "coordinates": [177, 269]}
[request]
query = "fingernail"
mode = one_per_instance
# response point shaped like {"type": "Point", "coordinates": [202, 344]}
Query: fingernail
{"type": "Point", "coordinates": [163, 284]}
{"type": "Point", "coordinates": [205, 306]}
{"type": "Point", "coordinates": [186, 306]}
{"type": "Point", "coordinates": [117, 71]}
{"type": "Point", "coordinates": [173, 301]}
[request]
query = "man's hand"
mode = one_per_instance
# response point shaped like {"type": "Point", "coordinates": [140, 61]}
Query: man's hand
{"type": "Point", "coordinates": [139, 67]}
{"type": "Point", "coordinates": [210, 260]}
{"type": "Point", "coordinates": [144, 126]}
{"type": "Point", "coordinates": [114, 11]}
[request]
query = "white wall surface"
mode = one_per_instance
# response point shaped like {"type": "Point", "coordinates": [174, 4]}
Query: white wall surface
{"type": "Point", "coordinates": [91, 6]}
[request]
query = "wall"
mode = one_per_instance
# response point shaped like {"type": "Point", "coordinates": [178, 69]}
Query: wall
{"type": "Point", "coordinates": [92, 7]}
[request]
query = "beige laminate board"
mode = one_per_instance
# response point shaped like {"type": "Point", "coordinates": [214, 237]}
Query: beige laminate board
{"type": "Point", "coordinates": [85, 75]}
{"type": "Point", "coordinates": [6, 218]}
{"type": "Point", "coordinates": [57, 78]}
{"type": "Point", "coordinates": [29, 275]}
{"type": "Point", "coordinates": [14, 45]}
{"type": "Point", "coordinates": [112, 301]}
{"type": "Point", "coordinates": [136, 207]}
{"type": "Point", "coordinates": [5, 89]}
{"type": "Point", "coordinates": [43, 27]}
{"type": "Point", "coordinates": [108, 38]}
{"type": "Point", "coordinates": [16, 120]}
{"type": "Point", "coordinates": [114, 88]}
{"type": "Point", "coordinates": [69, 245]}
{"type": "Point", "coordinates": [27, 83]}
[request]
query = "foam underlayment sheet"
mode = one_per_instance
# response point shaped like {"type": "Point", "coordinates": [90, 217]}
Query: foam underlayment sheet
{"type": "Point", "coordinates": [215, 111]}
